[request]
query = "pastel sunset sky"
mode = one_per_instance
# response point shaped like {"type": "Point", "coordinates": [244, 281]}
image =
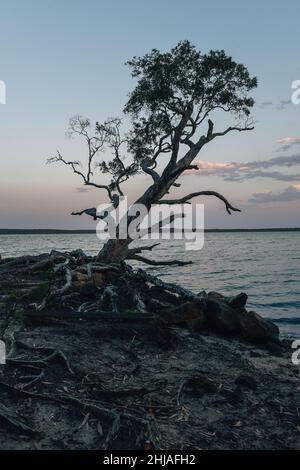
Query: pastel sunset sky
{"type": "Point", "coordinates": [60, 58]}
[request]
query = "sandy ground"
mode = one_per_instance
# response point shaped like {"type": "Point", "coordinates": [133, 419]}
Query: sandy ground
{"type": "Point", "coordinates": [104, 384]}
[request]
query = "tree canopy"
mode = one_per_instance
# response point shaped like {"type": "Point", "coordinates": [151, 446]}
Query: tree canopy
{"type": "Point", "coordinates": [172, 110]}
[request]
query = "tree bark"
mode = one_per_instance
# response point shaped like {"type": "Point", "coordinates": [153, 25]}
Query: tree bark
{"type": "Point", "coordinates": [116, 250]}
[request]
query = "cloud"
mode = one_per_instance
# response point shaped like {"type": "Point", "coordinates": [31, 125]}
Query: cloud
{"type": "Point", "coordinates": [215, 166]}
{"type": "Point", "coordinates": [282, 104]}
{"type": "Point", "coordinates": [288, 142]}
{"type": "Point", "coordinates": [211, 167]}
{"type": "Point", "coordinates": [276, 175]}
{"type": "Point", "coordinates": [285, 160]}
{"type": "Point", "coordinates": [244, 171]}
{"type": "Point", "coordinates": [291, 193]}
{"type": "Point", "coordinates": [265, 104]}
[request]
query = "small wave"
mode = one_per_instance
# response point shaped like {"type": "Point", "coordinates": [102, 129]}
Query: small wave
{"type": "Point", "coordinates": [290, 304]}
{"type": "Point", "coordinates": [284, 320]}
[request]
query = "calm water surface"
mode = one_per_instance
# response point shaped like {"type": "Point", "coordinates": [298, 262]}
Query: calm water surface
{"type": "Point", "coordinates": [266, 265]}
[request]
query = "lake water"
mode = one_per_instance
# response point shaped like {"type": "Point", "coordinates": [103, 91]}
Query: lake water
{"type": "Point", "coordinates": [265, 265]}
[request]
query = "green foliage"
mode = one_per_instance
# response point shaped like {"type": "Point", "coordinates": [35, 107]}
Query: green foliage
{"type": "Point", "coordinates": [183, 75]}
{"type": "Point", "coordinates": [171, 83]}
{"type": "Point", "coordinates": [175, 98]}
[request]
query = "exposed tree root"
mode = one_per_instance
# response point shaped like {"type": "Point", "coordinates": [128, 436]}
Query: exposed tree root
{"type": "Point", "coordinates": [34, 379]}
{"type": "Point", "coordinates": [15, 362]}
{"type": "Point", "coordinates": [13, 420]}
{"type": "Point", "coordinates": [158, 263]}
{"type": "Point", "coordinates": [135, 251]}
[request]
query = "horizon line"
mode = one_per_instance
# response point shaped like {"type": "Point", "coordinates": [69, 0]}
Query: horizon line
{"type": "Point", "coordinates": [41, 231]}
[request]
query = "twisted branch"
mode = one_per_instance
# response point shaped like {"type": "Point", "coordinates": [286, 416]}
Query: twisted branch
{"type": "Point", "coordinates": [185, 200]}
{"type": "Point", "coordinates": [151, 262]}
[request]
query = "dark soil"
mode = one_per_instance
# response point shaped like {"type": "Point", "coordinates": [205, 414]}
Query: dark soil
{"type": "Point", "coordinates": [130, 381]}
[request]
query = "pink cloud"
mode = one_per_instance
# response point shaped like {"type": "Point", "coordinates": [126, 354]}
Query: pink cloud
{"type": "Point", "coordinates": [211, 167]}
{"type": "Point", "coordinates": [288, 140]}
{"type": "Point", "coordinates": [254, 169]}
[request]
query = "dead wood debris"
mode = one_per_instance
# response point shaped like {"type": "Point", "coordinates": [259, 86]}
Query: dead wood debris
{"type": "Point", "coordinates": [99, 359]}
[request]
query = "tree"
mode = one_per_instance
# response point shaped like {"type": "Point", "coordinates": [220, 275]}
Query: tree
{"type": "Point", "coordinates": [172, 109]}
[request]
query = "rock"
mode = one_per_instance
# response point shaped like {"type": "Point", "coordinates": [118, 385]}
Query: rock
{"type": "Point", "coordinates": [246, 381]}
{"type": "Point", "coordinates": [238, 301]}
{"type": "Point", "coordinates": [188, 313]}
{"type": "Point", "coordinates": [197, 324]}
{"type": "Point", "coordinates": [99, 279]}
{"type": "Point", "coordinates": [79, 255]}
{"type": "Point", "coordinates": [221, 317]}
{"type": "Point", "coordinates": [202, 295]}
{"type": "Point", "coordinates": [80, 280]}
{"type": "Point", "coordinates": [254, 328]}
{"type": "Point", "coordinates": [88, 291]}
{"type": "Point", "coordinates": [216, 295]}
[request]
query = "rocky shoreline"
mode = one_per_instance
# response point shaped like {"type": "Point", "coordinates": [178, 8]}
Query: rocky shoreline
{"type": "Point", "coordinates": [106, 357]}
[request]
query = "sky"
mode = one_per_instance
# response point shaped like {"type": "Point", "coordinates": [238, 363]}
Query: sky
{"type": "Point", "coordinates": [59, 58]}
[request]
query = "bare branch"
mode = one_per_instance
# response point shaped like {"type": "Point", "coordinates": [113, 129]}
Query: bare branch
{"type": "Point", "coordinates": [151, 262]}
{"type": "Point", "coordinates": [185, 162]}
{"type": "Point", "coordinates": [175, 174]}
{"type": "Point", "coordinates": [150, 171]}
{"type": "Point", "coordinates": [135, 251]}
{"type": "Point", "coordinates": [211, 135]}
{"type": "Point", "coordinates": [185, 200]}
{"type": "Point", "coordinates": [92, 212]}
{"type": "Point", "coordinates": [100, 186]}
{"type": "Point", "coordinates": [74, 165]}
{"type": "Point", "coordinates": [178, 132]}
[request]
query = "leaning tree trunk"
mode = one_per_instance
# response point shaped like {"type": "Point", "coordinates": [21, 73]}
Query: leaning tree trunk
{"type": "Point", "coordinates": [116, 250]}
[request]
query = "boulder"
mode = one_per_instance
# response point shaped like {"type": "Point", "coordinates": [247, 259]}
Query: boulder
{"type": "Point", "coordinates": [99, 279]}
{"type": "Point", "coordinates": [256, 329]}
{"type": "Point", "coordinates": [238, 301]}
{"type": "Point", "coordinates": [221, 318]}
{"type": "Point", "coordinates": [216, 296]}
{"type": "Point", "coordinates": [188, 313]}
{"type": "Point", "coordinates": [202, 295]}
{"type": "Point", "coordinates": [80, 280]}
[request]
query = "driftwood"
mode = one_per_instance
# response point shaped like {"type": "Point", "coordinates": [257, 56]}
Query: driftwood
{"type": "Point", "coordinates": [85, 289]}
{"type": "Point", "coordinates": [151, 262]}
{"type": "Point", "coordinates": [121, 359]}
